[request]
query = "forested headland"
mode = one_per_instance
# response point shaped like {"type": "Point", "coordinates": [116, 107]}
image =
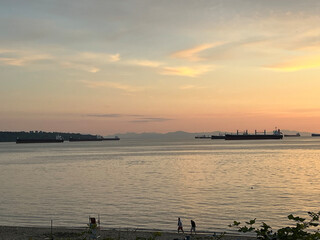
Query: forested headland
{"type": "Point", "coordinates": [12, 136]}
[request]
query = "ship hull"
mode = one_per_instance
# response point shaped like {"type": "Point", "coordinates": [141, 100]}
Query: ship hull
{"type": "Point", "coordinates": [111, 139]}
{"type": "Point", "coordinates": [85, 139]}
{"type": "Point", "coordinates": [92, 139]}
{"type": "Point", "coordinates": [218, 137]}
{"type": "Point", "coordinates": [252, 137]}
{"type": "Point", "coordinates": [315, 134]}
{"type": "Point", "coordinates": [39, 140]}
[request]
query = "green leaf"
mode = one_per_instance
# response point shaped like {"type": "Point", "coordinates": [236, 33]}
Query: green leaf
{"type": "Point", "coordinates": [235, 223]}
{"type": "Point", "coordinates": [297, 219]}
{"type": "Point", "coordinates": [251, 222]}
{"type": "Point", "coordinates": [314, 224]}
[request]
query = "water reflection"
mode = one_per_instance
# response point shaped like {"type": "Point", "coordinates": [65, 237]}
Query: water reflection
{"type": "Point", "coordinates": [150, 183]}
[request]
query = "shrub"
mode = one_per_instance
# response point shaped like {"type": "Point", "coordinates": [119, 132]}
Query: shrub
{"type": "Point", "coordinates": [301, 230]}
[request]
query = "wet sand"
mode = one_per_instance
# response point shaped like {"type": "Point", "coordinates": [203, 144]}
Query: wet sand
{"type": "Point", "coordinates": [60, 233]}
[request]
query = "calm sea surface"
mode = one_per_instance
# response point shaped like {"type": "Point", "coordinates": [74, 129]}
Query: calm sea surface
{"type": "Point", "coordinates": [149, 183]}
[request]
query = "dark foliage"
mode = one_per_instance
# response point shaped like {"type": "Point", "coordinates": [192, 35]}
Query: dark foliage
{"type": "Point", "coordinates": [302, 230]}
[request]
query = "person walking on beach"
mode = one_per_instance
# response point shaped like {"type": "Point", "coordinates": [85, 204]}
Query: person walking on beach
{"type": "Point", "coordinates": [193, 227]}
{"type": "Point", "coordinates": [180, 226]}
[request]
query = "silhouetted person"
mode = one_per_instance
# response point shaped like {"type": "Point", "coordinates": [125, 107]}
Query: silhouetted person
{"type": "Point", "coordinates": [193, 227]}
{"type": "Point", "coordinates": [180, 226]}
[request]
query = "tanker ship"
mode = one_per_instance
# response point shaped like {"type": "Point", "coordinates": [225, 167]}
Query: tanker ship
{"type": "Point", "coordinates": [277, 134]}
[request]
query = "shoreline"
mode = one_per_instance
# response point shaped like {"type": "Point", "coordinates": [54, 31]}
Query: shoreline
{"type": "Point", "coordinates": [66, 233]}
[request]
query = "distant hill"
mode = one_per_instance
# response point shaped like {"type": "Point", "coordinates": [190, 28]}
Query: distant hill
{"type": "Point", "coordinates": [182, 134]}
{"type": "Point", "coordinates": [6, 136]}
{"type": "Point", "coordinates": [12, 136]}
{"type": "Point", "coordinates": [172, 135]}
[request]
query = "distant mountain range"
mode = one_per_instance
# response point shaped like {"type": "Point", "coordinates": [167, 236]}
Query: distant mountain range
{"type": "Point", "coordinates": [182, 134]}
{"type": "Point", "coordinates": [6, 136]}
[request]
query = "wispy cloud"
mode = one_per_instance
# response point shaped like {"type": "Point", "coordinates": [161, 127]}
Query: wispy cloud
{"type": "Point", "coordinates": [89, 61]}
{"type": "Point", "coordinates": [191, 54]}
{"type": "Point", "coordinates": [97, 57]}
{"type": "Point", "coordinates": [135, 118]}
{"type": "Point", "coordinates": [151, 119]}
{"type": "Point", "coordinates": [164, 69]}
{"type": "Point", "coordinates": [84, 61]}
{"type": "Point", "coordinates": [145, 63]}
{"type": "Point", "coordinates": [79, 66]}
{"type": "Point", "coordinates": [12, 61]}
{"type": "Point", "coordinates": [296, 64]}
{"type": "Point", "coordinates": [226, 51]}
{"type": "Point", "coordinates": [120, 86]}
{"type": "Point", "coordinates": [21, 58]}
{"type": "Point", "coordinates": [114, 57]}
{"type": "Point", "coordinates": [194, 71]}
{"type": "Point", "coordinates": [113, 115]}
{"type": "Point", "coordinates": [187, 87]}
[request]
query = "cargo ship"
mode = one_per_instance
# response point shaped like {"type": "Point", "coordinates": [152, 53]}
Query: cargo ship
{"type": "Point", "coordinates": [256, 136]}
{"type": "Point", "coordinates": [218, 137]}
{"type": "Point", "coordinates": [203, 137]}
{"type": "Point", "coordinates": [292, 135]}
{"type": "Point", "coordinates": [315, 135]}
{"type": "Point", "coordinates": [97, 138]}
{"type": "Point", "coordinates": [58, 139]}
{"type": "Point", "coordinates": [71, 139]}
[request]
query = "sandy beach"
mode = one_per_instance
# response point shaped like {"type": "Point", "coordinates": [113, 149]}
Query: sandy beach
{"type": "Point", "coordinates": [60, 233]}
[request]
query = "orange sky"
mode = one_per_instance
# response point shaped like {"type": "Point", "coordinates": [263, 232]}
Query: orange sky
{"type": "Point", "coordinates": [159, 66]}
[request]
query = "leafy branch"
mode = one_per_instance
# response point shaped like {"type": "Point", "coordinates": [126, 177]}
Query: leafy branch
{"type": "Point", "coordinates": [297, 232]}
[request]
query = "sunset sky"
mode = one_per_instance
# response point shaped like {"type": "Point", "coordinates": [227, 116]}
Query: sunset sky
{"type": "Point", "coordinates": [107, 67]}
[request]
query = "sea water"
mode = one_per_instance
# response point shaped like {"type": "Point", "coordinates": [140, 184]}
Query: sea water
{"type": "Point", "coordinates": [149, 183]}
